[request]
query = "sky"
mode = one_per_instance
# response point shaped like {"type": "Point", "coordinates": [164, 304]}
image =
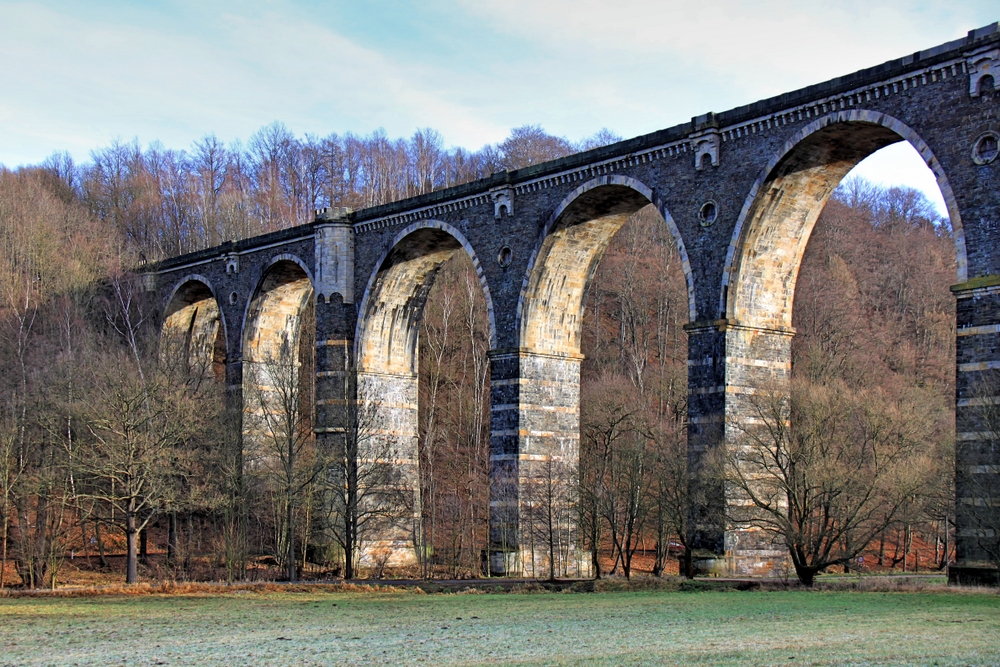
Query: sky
{"type": "Point", "coordinates": [77, 75]}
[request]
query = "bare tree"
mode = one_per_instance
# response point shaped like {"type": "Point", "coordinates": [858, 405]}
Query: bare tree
{"type": "Point", "coordinates": [550, 510]}
{"type": "Point", "coordinates": [11, 469]}
{"type": "Point", "coordinates": [364, 485]}
{"type": "Point", "coordinates": [530, 144]}
{"type": "Point", "coordinates": [615, 471]}
{"type": "Point", "coordinates": [140, 415]}
{"type": "Point", "coordinates": [138, 426]}
{"type": "Point", "coordinates": [825, 470]}
{"type": "Point", "coordinates": [279, 420]}
{"type": "Point", "coordinates": [669, 493]}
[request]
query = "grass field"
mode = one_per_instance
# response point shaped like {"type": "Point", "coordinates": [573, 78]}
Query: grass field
{"type": "Point", "coordinates": [405, 628]}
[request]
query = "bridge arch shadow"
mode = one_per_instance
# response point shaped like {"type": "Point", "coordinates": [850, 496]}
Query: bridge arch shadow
{"type": "Point", "coordinates": [567, 253]}
{"type": "Point", "coordinates": [193, 329]}
{"type": "Point", "coordinates": [275, 314]}
{"type": "Point", "coordinates": [278, 359]}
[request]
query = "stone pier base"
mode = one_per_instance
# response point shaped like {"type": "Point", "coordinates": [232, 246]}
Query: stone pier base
{"type": "Point", "coordinates": [534, 458]}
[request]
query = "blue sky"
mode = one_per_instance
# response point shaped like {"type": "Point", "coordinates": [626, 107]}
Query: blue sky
{"type": "Point", "coordinates": [77, 75]}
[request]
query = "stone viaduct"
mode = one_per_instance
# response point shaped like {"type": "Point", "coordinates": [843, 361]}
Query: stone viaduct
{"type": "Point", "coordinates": [739, 191]}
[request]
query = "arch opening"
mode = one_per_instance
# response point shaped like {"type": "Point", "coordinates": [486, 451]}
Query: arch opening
{"type": "Point", "coordinates": [193, 331]}
{"type": "Point", "coordinates": [388, 362]}
{"type": "Point", "coordinates": [536, 465]}
{"type": "Point", "coordinates": [278, 351]}
{"type": "Point", "coordinates": [278, 389]}
{"type": "Point", "coordinates": [551, 308]}
{"type": "Point", "coordinates": [874, 349]}
{"type": "Point", "coordinates": [454, 420]}
{"type": "Point", "coordinates": [275, 313]}
{"type": "Point", "coordinates": [781, 211]}
{"type": "Point", "coordinates": [394, 303]}
{"type": "Point", "coordinates": [279, 358]}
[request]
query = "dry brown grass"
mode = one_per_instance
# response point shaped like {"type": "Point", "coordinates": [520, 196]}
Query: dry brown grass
{"type": "Point", "coordinates": [200, 589]}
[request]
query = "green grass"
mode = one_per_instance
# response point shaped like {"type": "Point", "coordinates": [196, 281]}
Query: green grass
{"type": "Point", "coordinates": [650, 628]}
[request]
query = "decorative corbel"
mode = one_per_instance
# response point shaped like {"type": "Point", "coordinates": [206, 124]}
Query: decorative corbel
{"type": "Point", "coordinates": [984, 63]}
{"type": "Point", "coordinates": [503, 201]}
{"type": "Point", "coordinates": [707, 142]}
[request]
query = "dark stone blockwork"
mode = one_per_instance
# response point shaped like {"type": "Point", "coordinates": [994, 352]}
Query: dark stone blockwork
{"type": "Point", "coordinates": [536, 234]}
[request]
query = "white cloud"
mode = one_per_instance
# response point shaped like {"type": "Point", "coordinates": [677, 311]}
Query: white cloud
{"type": "Point", "coordinates": [663, 62]}
{"type": "Point", "coordinates": [90, 80]}
{"type": "Point", "coordinates": [751, 43]}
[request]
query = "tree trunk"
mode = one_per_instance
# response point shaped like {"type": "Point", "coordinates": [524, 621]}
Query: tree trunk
{"type": "Point", "coordinates": [305, 534]}
{"type": "Point", "coordinates": [806, 574]}
{"type": "Point", "coordinates": [171, 537]}
{"type": "Point", "coordinates": [595, 553]}
{"type": "Point", "coordinates": [550, 509]}
{"type": "Point", "coordinates": [627, 556]}
{"type": "Point", "coordinates": [3, 557]}
{"type": "Point", "coordinates": [350, 535]}
{"type": "Point", "coordinates": [907, 538]}
{"type": "Point", "coordinates": [349, 557]}
{"type": "Point", "coordinates": [40, 557]}
{"type": "Point", "coordinates": [131, 560]}
{"type": "Point", "coordinates": [946, 558]}
{"type": "Point", "coordinates": [100, 545]}
{"type": "Point", "coordinates": [189, 544]}
{"type": "Point", "coordinates": [83, 533]}
{"type": "Point", "coordinates": [290, 538]}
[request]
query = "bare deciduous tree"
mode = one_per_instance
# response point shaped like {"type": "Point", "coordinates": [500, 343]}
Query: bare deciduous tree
{"type": "Point", "coordinates": [364, 485]}
{"type": "Point", "coordinates": [614, 479]}
{"type": "Point", "coordinates": [825, 469]}
{"type": "Point", "coordinates": [138, 428]}
{"type": "Point", "coordinates": [279, 423]}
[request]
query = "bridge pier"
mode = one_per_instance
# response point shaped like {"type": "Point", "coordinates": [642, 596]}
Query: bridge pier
{"type": "Point", "coordinates": [387, 435]}
{"type": "Point", "coordinates": [727, 364]}
{"type": "Point", "coordinates": [977, 431]}
{"type": "Point", "coordinates": [235, 511]}
{"type": "Point", "coordinates": [370, 418]}
{"type": "Point", "coordinates": [534, 459]}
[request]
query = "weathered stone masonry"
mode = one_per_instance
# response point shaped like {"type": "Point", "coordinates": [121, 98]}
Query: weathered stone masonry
{"type": "Point", "coordinates": [740, 192]}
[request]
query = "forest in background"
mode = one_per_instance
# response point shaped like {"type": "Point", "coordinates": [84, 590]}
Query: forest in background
{"type": "Point", "coordinates": [86, 395]}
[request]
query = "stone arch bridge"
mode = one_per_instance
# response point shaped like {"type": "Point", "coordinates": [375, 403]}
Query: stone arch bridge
{"type": "Point", "coordinates": [739, 191]}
